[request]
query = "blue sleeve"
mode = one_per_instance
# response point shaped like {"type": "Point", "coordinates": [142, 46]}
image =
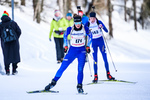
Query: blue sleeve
{"type": "Point", "coordinates": [89, 34]}
{"type": "Point", "coordinates": [67, 32]}
{"type": "Point", "coordinates": [85, 19]}
{"type": "Point", "coordinates": [86, 24]}
{"type": "Point", "coordinates": [104, 27]}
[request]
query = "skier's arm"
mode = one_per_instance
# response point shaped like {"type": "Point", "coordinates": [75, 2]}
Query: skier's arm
{"type": "Point", "coordinates": [89, 34]}
{"type": "Point", "coordinates": [103, 26]}
{"type": "Point", "coordinates": [67, 32]}
{"type": "Point", "coordinates": [51, 30]}
{"type": "Point", "coordinates": [18, 30]}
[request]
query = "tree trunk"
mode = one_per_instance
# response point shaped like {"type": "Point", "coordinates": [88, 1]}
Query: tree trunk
{"type": "Point", "coordinates": [7, 1]}
{"type": "Point", "coordinates": [23, 2]}
{"type": "Point", "coordinates": [37, 10]}
{"type": "Point", "coordinates": [34, 5]}
{"type": "Point", "coordinates": [67, 7]}
{"type": "Point", "coordinates": [76, 2]}
{"type": "Point", "coordinates": [90, 7]}
{"type": "Point", "coordinates": [142, 15]}
{"type": "Point", "coordinates": [125, 10]}
{"type": "Point", "coordinates": [42, 3]}
{"type": "Point", "coordinates": [134, 6]}
{"type": "Point", "coordinates": [60, 6]}
{"type": "Point", "coordinates": [110, 17]}
{"type": "Point", "coordinates": [85, 3]}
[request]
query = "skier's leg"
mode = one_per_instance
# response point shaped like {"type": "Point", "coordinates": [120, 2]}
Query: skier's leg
{"type": "Point", "coordinates": [71, 55]}
{"type": "Point", "coordinates": [57, 46]}
{"type": "Point", "coordinates": [14, 71]}
{"type": "Point", "coordinates": [104, 55]}
{"type": "Point", "coordinates": [61, 48]}
{"type": "Point", "coordinates": [95, 48]}
{"type": "Point", "coordinates": [66, 62]}
{"type": "Point", "coordinates": [7, 68]}
{"type": "Point", "coordinates": [81, 63]}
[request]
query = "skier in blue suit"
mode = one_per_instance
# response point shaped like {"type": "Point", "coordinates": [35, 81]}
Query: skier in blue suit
{"type": "Point", "coordinates": [96, 27]}
{"type": "Point", "coordinates": [77, 50]}
{"type": "Point", "coordinates": [85, 19]}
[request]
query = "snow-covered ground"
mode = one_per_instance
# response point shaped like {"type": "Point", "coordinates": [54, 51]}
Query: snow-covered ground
{"type": "Point", "coordinates": [130, 51]}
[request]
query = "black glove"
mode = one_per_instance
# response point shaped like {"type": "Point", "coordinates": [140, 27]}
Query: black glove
{"type": "Point", "coordinates": [88, 49]}
{"type": "Point", "coordinates": [65, 49]}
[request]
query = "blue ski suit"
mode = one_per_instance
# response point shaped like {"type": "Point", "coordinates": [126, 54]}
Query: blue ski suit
{"type": "Point", "coordinates": [98, 41]}
{"type": "Point", "coordinates": [85, 19]}
{"type": "Point", "coordinates": [76, 50]}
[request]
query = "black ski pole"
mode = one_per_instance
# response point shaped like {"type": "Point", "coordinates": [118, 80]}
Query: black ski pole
{"type": "Point", "coordinates": [89, 66]}
{"type": "Point", "coordinates": [109, 52]}
{"type": "Point", "coordinates": [93, 59]}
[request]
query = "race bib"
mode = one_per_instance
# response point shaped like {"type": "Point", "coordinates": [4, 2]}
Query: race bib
{"type": "Point", "coordinates": [95, 30]}
{"type": "Point", "coordinates": [78, 38]}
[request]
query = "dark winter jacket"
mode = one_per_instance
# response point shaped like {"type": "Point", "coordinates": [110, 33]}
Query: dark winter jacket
{"type": "Point", "coordinates": [11, 49]}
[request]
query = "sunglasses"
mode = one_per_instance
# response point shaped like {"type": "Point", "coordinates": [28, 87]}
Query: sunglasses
{"type": "Point", "coordinates": [76, 23]}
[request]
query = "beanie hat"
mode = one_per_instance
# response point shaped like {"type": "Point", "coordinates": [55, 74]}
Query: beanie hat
{"type": "Point", "coordinates": [56, 11]}
{"type": "Point", "coordinates": [69, 14]}
{"type": "Point", "coordinates": [5, 13]}
{"type": "Point", "coordinates": [77, 18]}
{"type": "Point", "coordinates": [80, 12]}
{"type": "Point", "coordinates": [92, 14]}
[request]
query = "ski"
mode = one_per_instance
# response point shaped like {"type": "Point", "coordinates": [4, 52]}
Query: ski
{"type": "Point", "coordinates": [43, 91]}
{"type": "Point", "coordinates": [123, 81]}
{"type": "Point", "coordinates": [99, 82]}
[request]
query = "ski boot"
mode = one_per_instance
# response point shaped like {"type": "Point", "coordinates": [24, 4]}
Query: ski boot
{"type": "Point", "coordinates": [95, 78]}
{"type": "Point", "coordinates": [50, 85]}
{"type": "Point", "coordinates": [7, 72]}
{"type": "Point", "coordinates": [59, 61]}
{"type": "Point", "coordinates": [14, 72]}
{"type": "Point", "coordinates": [109, 77]}
{"type": "Point", "coordinates": [79, 88]}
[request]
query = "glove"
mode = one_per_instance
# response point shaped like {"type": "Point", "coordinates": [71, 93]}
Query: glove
{"type": "Point", "coordinates": [50, 40]}
{"type": "Point", "coordinates": [65, 49]}
{"type": "Point", "coordinates": [100, 25]}
{"type": "Point", "coordinates": [60, 29]}
{"type": "Point", "coordinates": [88, 49]}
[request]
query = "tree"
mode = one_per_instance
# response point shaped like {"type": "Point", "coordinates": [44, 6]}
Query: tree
{"type": "Point", "coordinates": [6, 0]}
{"type": "Point", "coordinates": [90, 7]}
{"type": "Point", "coordinates": [66, 7]}
{"type": "Point", "coordinates": [23, 2]}
{"type": "Point", "coordinates": [110, 17]}
{"type": "Point", "coordinates": [42, 4]}
{"type": "Point", "coordinates": [135, 19]}
{"type": "Point", "coordinates": [125, 10]}
{"type": "Point", "coordinates": [145, 12]}
{"type": "Point", "coordinates": [37, 10]}
{"type": "Point", "coordinates": [60, 4]}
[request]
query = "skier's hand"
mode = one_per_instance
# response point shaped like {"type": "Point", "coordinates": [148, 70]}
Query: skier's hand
{"type": "Point", "coordinates": [65, 49]}
{"type": "Point", "coordinates": [88, 49]}
{"type": "Point", "coordinates": [60, 29]}
{"type": "Point", "coordinates": [100, 25]}
{"type": "Point", "coordinates": [50, 40]}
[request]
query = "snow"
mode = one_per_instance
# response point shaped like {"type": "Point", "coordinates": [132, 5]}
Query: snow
{"type": "Point", "coordinates": [129, 50]}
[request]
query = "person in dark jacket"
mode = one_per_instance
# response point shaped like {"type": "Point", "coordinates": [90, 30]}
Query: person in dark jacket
{"type": "Point", "coordinates": [10, 49]}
